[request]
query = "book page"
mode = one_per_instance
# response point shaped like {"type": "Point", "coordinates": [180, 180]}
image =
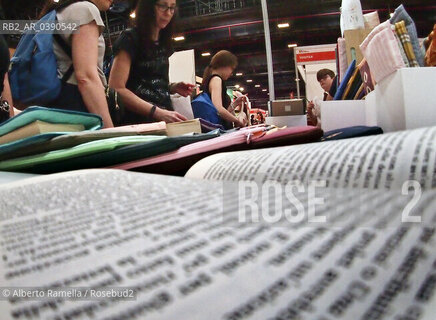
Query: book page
{"type": "Point", "coordinates": [183, 250]}
{"type": "Point", "coordinates": [381, 161]}
{"type": "Point", "coordinates": [8, 177]}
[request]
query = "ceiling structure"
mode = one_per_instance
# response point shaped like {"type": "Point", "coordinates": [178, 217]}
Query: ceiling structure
{"type": "Point", "coordinates": [237, 26]}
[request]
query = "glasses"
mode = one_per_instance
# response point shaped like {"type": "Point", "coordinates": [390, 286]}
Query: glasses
{"type": "Point", "coordinates": [163, 8]}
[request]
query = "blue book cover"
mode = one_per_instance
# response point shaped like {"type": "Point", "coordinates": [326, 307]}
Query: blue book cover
{"type": "Point", "coordinates": [88, 120]}
{"type": "Point", "coordinates": [345, 80]}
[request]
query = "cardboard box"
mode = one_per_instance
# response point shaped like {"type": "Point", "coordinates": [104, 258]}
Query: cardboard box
{"type": "Point", "coordinates": [342, 113]}
{"type": "Point", "coordinates": [289, 121]}
{"type": "Point", "coordinates": [291, 107]}
{"type": "Point", "coordinates": [353, 39]}
{"type": "Point", "coordinates": [404, 100]}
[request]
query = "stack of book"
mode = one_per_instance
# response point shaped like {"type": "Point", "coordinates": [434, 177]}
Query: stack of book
{"type": "Point", "coordinates": [384, 48]}
{"type": "Point", "coordinates": [357, 82]}
{"type": "Point", "coordinates": [32, 146]}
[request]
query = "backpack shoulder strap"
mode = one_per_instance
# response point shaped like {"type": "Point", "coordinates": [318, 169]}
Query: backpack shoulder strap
{"type": "Point", "coordinates": [67, 49]}
{"type": "Point", "coordinates": [63, 44]}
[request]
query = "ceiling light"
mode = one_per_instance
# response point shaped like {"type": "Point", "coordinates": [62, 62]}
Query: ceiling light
{"type": "Point", "coordinates": [264, 90]}
{"type": "Point", "coordinates": [249, 80]}
{"type": "Point", "coordinates": [56, 1]}
{"type": "Point", "coordinates": [292, 45]}
{"type": "Point", "coordinates": [179, 38]}
{"type": "Point", "coordinates": [237, 86]}
{"type": "Point", "coordinates": [257, 85]}
{"type": "Point", "coordinates": [283, 25]}
{"type": "Point", "coordinates": [239, 74]}
{"type": "Point", "coordinates": [391, 14]}
{"type": "Point", "coordinates": [241, 89]}
{"type": "Point", "coordinates": [133, 15]}
{"type": "Point", "coordinates": [205, 54]}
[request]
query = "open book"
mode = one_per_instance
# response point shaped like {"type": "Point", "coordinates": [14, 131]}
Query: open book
{"type": "Point", "coordinates": [332, 230]}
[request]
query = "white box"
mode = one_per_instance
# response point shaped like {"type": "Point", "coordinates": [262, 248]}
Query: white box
{"type": "Point", "coordinates": [342, 113]}
{"type": "Point", "coordinates": [404, 100]}
{"type": "Point", "coordinates": [289, 121]}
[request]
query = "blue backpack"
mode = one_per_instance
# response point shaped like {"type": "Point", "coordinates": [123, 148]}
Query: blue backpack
{"type": "Point", "coordinates": [33, 73]}
{"type": "Point", "coordinates": [203, 108]}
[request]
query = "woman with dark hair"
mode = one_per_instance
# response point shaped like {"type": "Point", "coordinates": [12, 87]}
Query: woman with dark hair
{"type": "Point", "coordinates": [84, 90]}
{"type": "Point", "coordinates": [327, 80]}
{"type": "Point", "coordinates": [221, 67]}
{"type": "Point", "coordinates": [140, 68]}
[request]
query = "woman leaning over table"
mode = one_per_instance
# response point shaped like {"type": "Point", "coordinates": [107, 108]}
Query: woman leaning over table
{"type": "Point", "coordinates": [221, 67]}
{"type": "Point", "coordinates": [140, 69]}
{"type": "Point", "coordinates": [84, 90]}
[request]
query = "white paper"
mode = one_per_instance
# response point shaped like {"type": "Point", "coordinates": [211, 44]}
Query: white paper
{"type": "Point", "coordinates": [380, 161]}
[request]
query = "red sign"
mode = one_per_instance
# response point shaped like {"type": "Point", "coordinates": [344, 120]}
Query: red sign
{"type": "Point", "coordinates": [316, 56]}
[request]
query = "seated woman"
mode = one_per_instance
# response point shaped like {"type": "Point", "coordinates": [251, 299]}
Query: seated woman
{"type": "Point", "coordinates": [221, 67]}
{"type": "Point", "coordinates": [84, 90]}
{"type": "Point", "coordinates": [140, 69]}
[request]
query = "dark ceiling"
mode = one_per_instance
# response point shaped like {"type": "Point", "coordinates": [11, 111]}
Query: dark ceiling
{"type": "Point", "coordinates": [236, 25]}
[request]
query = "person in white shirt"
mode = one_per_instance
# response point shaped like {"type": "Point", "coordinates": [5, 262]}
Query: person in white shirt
{"type": "Point", "coordinates": [84, 90]}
